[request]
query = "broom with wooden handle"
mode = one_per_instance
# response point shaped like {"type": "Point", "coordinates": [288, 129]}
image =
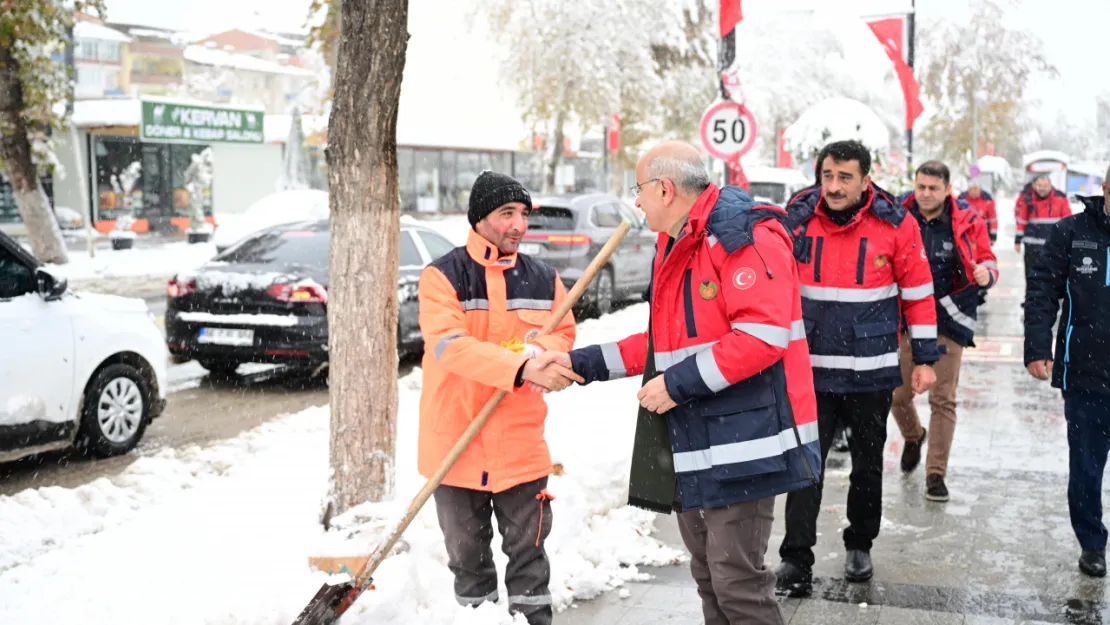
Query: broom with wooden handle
{"type": "Point", "coordinates": [332, 600]}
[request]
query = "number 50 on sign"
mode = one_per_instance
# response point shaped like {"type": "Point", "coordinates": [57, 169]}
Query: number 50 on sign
{"type": "Point", "coordinates": [727, 130]}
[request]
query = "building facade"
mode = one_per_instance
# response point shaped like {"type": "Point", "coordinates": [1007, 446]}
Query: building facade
{"type": "Point", "coordinates": [100, 59]}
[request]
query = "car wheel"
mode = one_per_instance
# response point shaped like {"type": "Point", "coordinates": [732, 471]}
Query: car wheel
{"type": "Point", "coordinates": [115, 411]}
{"type": "Point", "coordinates": [221, 369]}
{"type": "Point", "coordinates": [604, 292]}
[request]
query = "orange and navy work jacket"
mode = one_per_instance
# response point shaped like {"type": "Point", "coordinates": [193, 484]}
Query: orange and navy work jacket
{"type": "Point", "coordinates": [474, 305]}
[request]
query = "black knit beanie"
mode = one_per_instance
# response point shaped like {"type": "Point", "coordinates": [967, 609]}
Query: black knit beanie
{"type": "Point", "coordinates": [491, 191]}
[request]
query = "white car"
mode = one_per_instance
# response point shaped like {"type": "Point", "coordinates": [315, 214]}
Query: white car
{"type": "Point", "coordinates": [79, 369]}
{"type": "Point", "coordinates": [278, 208]}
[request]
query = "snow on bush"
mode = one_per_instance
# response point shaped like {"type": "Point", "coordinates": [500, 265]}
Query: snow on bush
{"type": "Point", "coordinates": [837, 119]}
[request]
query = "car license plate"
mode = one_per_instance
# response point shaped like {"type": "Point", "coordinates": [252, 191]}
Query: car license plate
{"type": "Point", "coordinates": [530, 249]}
{"type": "Point", "coordinates": [226, 336]}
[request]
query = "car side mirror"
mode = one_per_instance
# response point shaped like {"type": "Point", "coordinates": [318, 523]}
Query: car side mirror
{"type": "Point", "coordinates": [50, 287]}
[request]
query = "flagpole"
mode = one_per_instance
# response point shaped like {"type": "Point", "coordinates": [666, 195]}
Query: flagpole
{"type": "Point", "coordinates": [726, 54]}
{"type": "Point", "coordinates": [909, 61]}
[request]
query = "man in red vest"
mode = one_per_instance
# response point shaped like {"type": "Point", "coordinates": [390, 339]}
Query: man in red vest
{"type": "Point", "coordinates": [863, 270]}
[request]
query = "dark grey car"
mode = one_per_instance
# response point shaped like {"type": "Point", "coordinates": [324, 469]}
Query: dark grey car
{"type": "Point", "coordinates": [567, 231]}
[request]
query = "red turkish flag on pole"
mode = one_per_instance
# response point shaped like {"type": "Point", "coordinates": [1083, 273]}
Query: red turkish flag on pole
{"type": "Point", "coordinates": [890, 32]}
{"type": "Point", "coordinates": [730, 16]}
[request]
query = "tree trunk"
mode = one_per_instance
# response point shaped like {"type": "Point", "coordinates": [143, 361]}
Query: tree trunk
{"type": "Point", "coordinates": [15, 154]}
{"type": "Point", "coordinates": [365, 236]}
{"type": "Point", "coordinates": [556, 152]}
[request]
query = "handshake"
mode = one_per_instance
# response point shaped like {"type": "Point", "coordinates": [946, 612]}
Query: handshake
{"type": "Point", "coordinates": [550, 371]}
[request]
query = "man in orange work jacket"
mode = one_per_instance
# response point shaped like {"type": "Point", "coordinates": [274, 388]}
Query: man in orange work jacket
{"type": "Point", "coordinates": [478, 304]}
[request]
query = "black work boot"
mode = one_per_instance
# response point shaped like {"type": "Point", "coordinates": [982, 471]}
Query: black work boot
{"type": "Point", "coordinates": [1093, 563]}
{"type": "Point", "coordinates": [935, 490]}
{"type": "Point", "coordinates": [857, 566]}
{"type": "Point", "coordinates": [795, 579]}
{"type": "Point", "coordinates": [840, 441]}
{"type": "Point", "coordinates": [911, 453]}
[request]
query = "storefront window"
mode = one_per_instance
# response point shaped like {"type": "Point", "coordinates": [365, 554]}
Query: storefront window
{"type": "Point", "coordinates": [9, 212]}
{"type": "Point", "coordinates": [406, 179]}
{"type": "Point", "coordinates": [427, 181]}
{"type": "Point", "coordinates": [144, 180]}
{"type": "Point", "coordinates": [119, 186]}
{"type": "Point", "coordinates": [501, 163]}
{"type": "Point", "coordinates": [528, 169]}
{"type": "Point", "coordinates": [181, 157]}
{"type": "Point", "coordinates": [469, 166]}
{"type": "Point", "coordinates": [448, 192]}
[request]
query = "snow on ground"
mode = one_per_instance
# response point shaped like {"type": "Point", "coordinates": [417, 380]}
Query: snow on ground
{"type": "Point", "coordinates": [162, 261]}
{"type": "Point", "coordinates": [222, 534]}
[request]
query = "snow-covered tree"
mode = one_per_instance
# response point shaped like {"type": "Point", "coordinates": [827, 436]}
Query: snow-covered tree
{"type": "Point", "coordinates": [324, 27]}
{"type": "Point", "coordinates": [777, 88]}
{"type": "Point", "coordinates": [577, 63]}
{"type": "Point", "coordinates": [975, 74]}
{"type": "Point", "coordinates": [686, 58]}
{"type": "Point", "coordinates": [31, 86]}
{"type": "Point", "coordinates": [365, 235]}
{"type": "Point", "coordinates": [837, 119]}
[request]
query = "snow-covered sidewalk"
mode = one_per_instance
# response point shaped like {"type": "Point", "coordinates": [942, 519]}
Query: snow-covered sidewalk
{"type": "Point", "coordinates": [222, 534]}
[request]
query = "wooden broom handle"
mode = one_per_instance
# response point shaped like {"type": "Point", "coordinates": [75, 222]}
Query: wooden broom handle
{"type": "Point", "coordinates": [379, 555]}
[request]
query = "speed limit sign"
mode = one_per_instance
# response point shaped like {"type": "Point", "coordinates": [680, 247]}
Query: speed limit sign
{"type": "Point", "coordinates": [728, 130]}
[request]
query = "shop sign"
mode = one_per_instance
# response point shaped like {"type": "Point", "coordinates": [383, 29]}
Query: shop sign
{"type": "Point", "coordinates": [168, 121]}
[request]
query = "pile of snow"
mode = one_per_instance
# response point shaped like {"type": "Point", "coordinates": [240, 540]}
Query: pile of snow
{"type": "Point", "coordinates": [277, 208]}
{"type": "Point", "coordinates": [836, 119]}
{"type": "Point", "coordinates": [222, 534]}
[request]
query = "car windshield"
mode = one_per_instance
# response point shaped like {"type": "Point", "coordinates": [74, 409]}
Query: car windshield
{"type": "Point", "coordinates": [551, 218]}
{"type": "Point", "coordinates": [296, 245]}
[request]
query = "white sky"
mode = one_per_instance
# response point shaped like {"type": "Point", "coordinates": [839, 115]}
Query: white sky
{"type": "Point", "coordinates": [1071, 29]}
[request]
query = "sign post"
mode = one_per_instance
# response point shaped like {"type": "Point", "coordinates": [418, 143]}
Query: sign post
{"type": "Point", "coordinates": [728, 131]}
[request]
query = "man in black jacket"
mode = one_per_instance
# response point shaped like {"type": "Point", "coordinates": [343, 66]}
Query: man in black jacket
{"type": "Point", "coordinates": [1075, 267]}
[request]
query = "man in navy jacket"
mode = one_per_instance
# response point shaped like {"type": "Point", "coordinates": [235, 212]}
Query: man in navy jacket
{"type": "Point", "coordinates": [1074, 266]}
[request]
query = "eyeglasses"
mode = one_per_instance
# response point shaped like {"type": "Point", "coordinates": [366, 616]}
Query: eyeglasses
{"type": "Point", "coordinates": [636, 189]}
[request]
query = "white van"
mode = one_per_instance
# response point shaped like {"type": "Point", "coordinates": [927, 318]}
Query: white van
{"type": "Point", "coordinates": [775, 184]}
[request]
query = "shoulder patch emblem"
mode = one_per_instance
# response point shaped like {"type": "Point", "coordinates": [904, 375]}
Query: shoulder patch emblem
{"type": "Point", "coordinates": [708, 290]}
{"type": "Point", "coordinates": [744, 278]}
{"type": "Point", "coordinates": [880, 262]}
